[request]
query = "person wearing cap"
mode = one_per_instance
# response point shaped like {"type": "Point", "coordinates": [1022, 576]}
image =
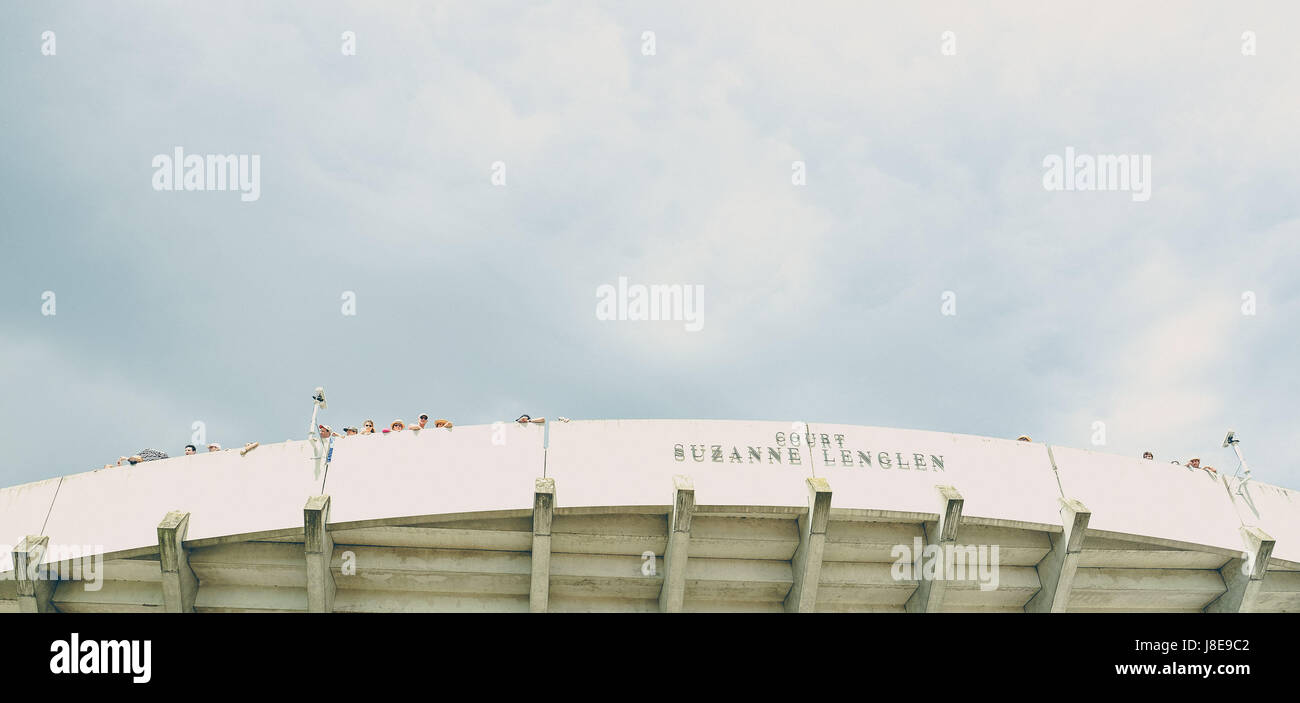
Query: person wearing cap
{"type": "Point", "coordinates": [349, 431]}
{"type": "Point", "coordinates": [524, 420]}
{"type": "Point", "coordinates": [1194, 462]}
{"type": "Point", "coordinates": [325, 431]}
{"type": "Point", "coordinates": [190, 449]}
{"type": "Point", "coordinates": [1023, 438]}
{"type": "Point", "coordinates": [424, 420]}
{"type": "Point", "coordinates": [1148, 455]}
{"type": "Point", "coordinates": [214, 447]}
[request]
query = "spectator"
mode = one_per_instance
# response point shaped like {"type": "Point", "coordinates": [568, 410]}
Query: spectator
{"type": "Point", "coordinates": [442, 423]}
{"type": "Point", "coordinates": [214, 447]}
{"type": "Point", "coordinates": [424, 420]}
{"type": "Point", "coordinates": [349, 431]}
{"type": "Point", "coordinates": [1148, 455]}
{"type": "Point", "coordinates": [524, 420]}
{"type": "Point", "coordinates": [397, 426]}
{"type": "Point", "coordinates": [368, 427]}
{"type": "Point", "coordinates": [1194, 462]}
{"type": "Point", "coordinates": [142, 456]}
{"type": "Point", "coordinates": [190, 449]}
{"type": "Point", "coordinates": [325, 431]}
{"type": "Point", "coordinates": [1023, 438]}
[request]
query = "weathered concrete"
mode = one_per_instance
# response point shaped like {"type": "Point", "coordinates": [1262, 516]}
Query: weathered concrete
{"type": "Point", "coordinates": [34, 591]}
{"type": "Point", "coordinates": [539, 591]}
{"type": "Point", "coordinates": [1057, 570]}
{"type": "Point", "coordinates": [436, 523]}
{"type": "Point", "coordinates": [1001, 479]}
{"type": "Point", "coordinates": [435, 471]}
{"type": "Point", "coordinates": [318, 547]}
{"type": "Point", "coordinates": [1143, 590]}
{"type": "Point", "coordinates": [226, 494]}
{"type": "Point", "coordinates": [628, 462]}
{"type": "Point", "coordinates": [1153, 499]}
{"type": "Point", "coordinates": [1243, 578]}
{"type": "Point", "coordinates": [807, 561]}
{"type": "Point", "coordinates": [929, 594]}
{"type": "Point", "coordinates": [1272, 509]}
{"type": "Point", "coordinates": [22, 512]}
{"type": "Point", "coordinates": [179, 584]}
{"type": "Point", "coordinates": [679, 545]}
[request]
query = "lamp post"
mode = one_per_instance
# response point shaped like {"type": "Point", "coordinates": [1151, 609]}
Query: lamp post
{"type": "Point", "coordinates": [1243, 470]}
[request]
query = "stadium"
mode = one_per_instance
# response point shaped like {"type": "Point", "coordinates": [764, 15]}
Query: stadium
{"type": "Point", "coordinates": [650, 516]}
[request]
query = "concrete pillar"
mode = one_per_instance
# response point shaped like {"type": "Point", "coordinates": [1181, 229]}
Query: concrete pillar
{"type": "Point", "coordinates": [539, 593]}
{"type": "Point", "coordinates": [318, 546]}
{"type": "Point", "coordinates": [928, 597]}
{"type": "Point", "coordinates": [34, 588]}
{"type": "Point", "coordinates": [807, 561]}
{"type": "Point", "coordinates": [1056, 570]}
{"type": "Point", "coordinates": [179, 584]}
{"type": "Point", "coordinates": [1244, 578]}
{"type": "Point", "coordinates": [679, 546]}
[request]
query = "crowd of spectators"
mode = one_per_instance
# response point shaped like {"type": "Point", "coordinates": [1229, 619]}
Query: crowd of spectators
{"type": "Point", "coordinates": [325, 431]}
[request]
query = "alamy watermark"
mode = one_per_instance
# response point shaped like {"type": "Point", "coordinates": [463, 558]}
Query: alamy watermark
{"type": "Point", "coordinates": [241, 172]}
{"type": "Point", "coordinates": [62, 562]}
{"type": "Point", "coordinates": [1121, 172]}
{"type": "Point", "coordinates": [638, 301]}
{"type": "Point", "coordinates": [948, 562]}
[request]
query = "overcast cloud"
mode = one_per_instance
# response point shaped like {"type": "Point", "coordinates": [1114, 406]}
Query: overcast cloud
{"type": "Point", "coordinates": [822, 302]}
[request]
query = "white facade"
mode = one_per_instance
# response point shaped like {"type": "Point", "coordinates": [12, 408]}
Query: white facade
{"type": "Point", "coordinates": [649, 515]}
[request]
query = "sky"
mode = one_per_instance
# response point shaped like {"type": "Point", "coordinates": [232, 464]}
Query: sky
{"type": "Point", "coordinates": [471, 175]}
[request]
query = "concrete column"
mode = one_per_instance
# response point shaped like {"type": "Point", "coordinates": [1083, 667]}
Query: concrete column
{"type": "Point", "coordinates": [928, 597]}
{"type": "Point", "coordinates": [318, 545]}
{"type": "Point", "coordinates": [179, 584]}
{"type": "Point", "coordinates": [1056, 570]}
{"type": "Point", "coordinates": [34, 589]}
{"type": "Point", "coordinates": [539, 594]}
{"type": "Point", "coordinates": [807, 561]}
{"type": "Point", "coordinates": [679, 545]}
{"type": "Point", "coordinates": [1244, 578]}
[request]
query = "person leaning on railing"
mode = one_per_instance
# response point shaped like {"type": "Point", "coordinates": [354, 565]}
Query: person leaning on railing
{"type": "Point", "coordinates": [141, 456]}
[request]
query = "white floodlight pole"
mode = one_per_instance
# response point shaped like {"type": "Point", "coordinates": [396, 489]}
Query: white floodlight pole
{"type": "Point", "coordinates": [311, 430]}
{"type": "Point", "coordinates": [313, 436]}
{"type": "Point", "coordinates": [1243, 470]}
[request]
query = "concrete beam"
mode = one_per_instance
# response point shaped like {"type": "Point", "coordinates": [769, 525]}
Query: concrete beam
{"type": "Point", "coordinates": [34, 588]}
{"type": "Point", "coordinates": [1244, 577]}
{"type": "Point", "coordinates": [679, 546]}
{"type": "Point", "coordinates": [928, 597]}
{"type": "Point", "coordinates": [539, 593]}
{"type": "Point", "coordinates": [807, 561]}
{"type": "Point", "coordinates": [1057, 569]}
{"type": "Point", "coordinates": [318, 545]}
{"type": "Point", "coordinates": [179, 584]}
